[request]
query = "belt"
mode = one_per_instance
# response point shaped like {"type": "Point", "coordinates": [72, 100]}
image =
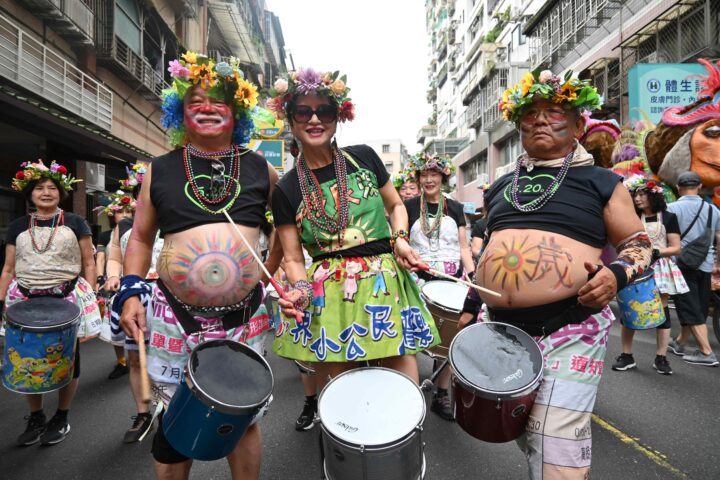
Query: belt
{"type": "Point", "coordinates": [60, 291]}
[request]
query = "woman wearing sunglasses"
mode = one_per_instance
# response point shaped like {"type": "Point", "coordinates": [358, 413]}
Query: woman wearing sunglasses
{"type": "Point", "coordinates": [358, 300]}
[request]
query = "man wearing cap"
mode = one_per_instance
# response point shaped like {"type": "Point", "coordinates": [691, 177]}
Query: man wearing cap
{"type": "Point", "coordinates": [692, 307]}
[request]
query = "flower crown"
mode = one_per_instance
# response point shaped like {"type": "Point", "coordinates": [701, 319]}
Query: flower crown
{"type": "Point", "coordinates": [223, 81]}
{"type": "Point", "coordinates": [567, 91]}
{"type": "Point", "coordinates": [638, 182]}
{"type": "Point", "coordinates": [135, 177]}
{"type": "Point", "coordinates": [424, 161]}
{"type": "Point", "coordinates": [404, 176]}
{"type": "Point", "coordinates": [120, 200]}
{"type": "Point", "coordinates": [36, 171]}
{"type": "Point", "coordinates": [307, 81]}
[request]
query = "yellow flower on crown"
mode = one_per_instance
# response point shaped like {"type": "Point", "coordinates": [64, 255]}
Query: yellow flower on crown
{"type": "Point", "coordinates": [246, 94]}
{"type": "Point", "coordinates": [204, 75]}
{"type": "Point", "coordinates": [190, 57]}
{"type": "Point", "coordinates": [526, 82]}
{"type": "Point", "coordinates": [567, 93]}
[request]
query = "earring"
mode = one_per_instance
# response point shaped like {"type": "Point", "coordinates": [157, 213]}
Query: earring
{"type": "Point", "coordinates": [294, 148]}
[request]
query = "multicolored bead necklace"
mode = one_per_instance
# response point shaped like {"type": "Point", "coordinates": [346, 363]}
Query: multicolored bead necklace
{"type": "Point", "coordinates": [202, 200]}
{"type": "Point", "coordinates": [315, 203]}
{"type": "Point", "coordinates": [57, 219]}
{"type": "Point", "coordinates": [539, 202]}
{"type": "Point", "coordinates": [434, 228]}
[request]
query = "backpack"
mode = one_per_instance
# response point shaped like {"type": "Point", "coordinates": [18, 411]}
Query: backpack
{"type": "Point", "coordinates": [694, 253]}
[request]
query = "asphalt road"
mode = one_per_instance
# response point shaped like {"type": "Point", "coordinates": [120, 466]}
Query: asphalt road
{"type": "Point", "coordinates": [647, 426]}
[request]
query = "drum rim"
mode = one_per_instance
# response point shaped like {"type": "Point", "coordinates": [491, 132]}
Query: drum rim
{"type": "Point", "coordinates": [49, 328]}
{"type": "Point", "coordinates": [355, 370]}
{"type": "Point", "coordinates": [217, 404]}
{"type": "Point", "coordinates": [428, 301]}
{"type": "Point", "coordinates": [486, 392]}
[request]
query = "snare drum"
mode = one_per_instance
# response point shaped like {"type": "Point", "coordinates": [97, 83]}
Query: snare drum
{"type": "Point", "coordinates": [227, 385]}
{"type": "Point", "coordinates": [445, 301]}
{"type": "Point", "coordinates": [40, 344]}
{"type": "Point", "coordinates": [371, 425]}
{"type": "Point", "coordinates": [497, 370]}
{"type": "Point", "coordinates": [640, 304]}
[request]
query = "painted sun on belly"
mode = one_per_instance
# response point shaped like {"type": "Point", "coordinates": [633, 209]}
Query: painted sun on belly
{"type": "Point", "coordinates": [211, 272]}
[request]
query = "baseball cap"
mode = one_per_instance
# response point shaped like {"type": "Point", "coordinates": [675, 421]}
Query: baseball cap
{"type": "Point", "coordinates": [688, 179]}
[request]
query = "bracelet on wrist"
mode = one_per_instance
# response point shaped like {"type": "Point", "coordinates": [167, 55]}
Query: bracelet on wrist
{"type": "Point", "coordinates": [399, 234]}
{"type": "Point", "coordinates": [306, 294]}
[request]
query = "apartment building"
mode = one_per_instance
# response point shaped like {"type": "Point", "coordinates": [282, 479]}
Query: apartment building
{"type": "Point", "coordinates": [392, 152]}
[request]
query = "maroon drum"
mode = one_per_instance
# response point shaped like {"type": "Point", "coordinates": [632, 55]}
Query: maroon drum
{"type": "Point", "coordinates": [497, 369]}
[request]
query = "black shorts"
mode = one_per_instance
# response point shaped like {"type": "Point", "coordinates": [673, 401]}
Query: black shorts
{"type": "Point", "coordinates": [161, 449]}
{"type": "Point", "coordinates": [76, 365]}
{"type": "Point", "coordinates": [692, 307]}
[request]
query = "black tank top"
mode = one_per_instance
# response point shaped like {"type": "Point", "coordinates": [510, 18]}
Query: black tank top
{"type": "Point", "coordinates": [576, 209]}
{"type": "Point", "coordinates": [175, 201]}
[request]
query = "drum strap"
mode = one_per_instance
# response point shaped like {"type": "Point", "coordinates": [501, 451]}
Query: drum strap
{"type": "Point", "coordinates": [230, 319]}
{"type": "Point", "coordinates": [544, 320]}
{"type": "Point", "coordinates": [61, 291]}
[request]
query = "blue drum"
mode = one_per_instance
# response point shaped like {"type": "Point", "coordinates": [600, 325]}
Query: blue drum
{"type": "Point", "coordinates": [40, 335]}
{"type": "Point", "coordinates": [640, 304]}
{"type": "Point", "coordinates": [227, 385]}
{"type": "Point", "coordinates": [273, 308]}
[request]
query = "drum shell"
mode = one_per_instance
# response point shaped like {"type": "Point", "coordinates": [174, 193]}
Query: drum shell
{"type": "Point", "coordinates": [305, 367]}
{"type": "Point", "coordinates": [446, 321]}
{"type": "Point", "coordinates": [492, 418]}
{"type": "Point", "coordinates": [28, 367]}
{"type": "Point", "coordinates": [401, 460]}
{"type": "Point", "coordinates": [640, 304]}
{"type": "Point", "coordinates": [273, 308]}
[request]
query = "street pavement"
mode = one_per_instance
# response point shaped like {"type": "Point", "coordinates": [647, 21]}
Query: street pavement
{"type": "Point", "coordinates": [647, 426]}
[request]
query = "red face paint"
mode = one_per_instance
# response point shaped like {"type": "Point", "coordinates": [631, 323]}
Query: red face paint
{"type": "Point", "coordinates": [205, 116]}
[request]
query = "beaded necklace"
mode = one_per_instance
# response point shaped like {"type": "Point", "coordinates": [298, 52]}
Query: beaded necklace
{"type": "Point", "coordinates": [204, 201]}
{"type": "Point", "coordinates": [434, 228]}
{"type": "Point", "coordinates": [57, 219]}
{"type": "Point", "coordinates": [539, 202]}
{"type": "Point", "coordinates": [315, 202]}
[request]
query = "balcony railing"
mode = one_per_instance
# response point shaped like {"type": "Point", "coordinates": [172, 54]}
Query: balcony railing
{"type": "Point", "coordinates": [31, 65]}
{"type": "Point", "coordinates": [134, 69]}
{"type": "Point", "coordinates": [72, 19]}
{"type": "Point", "coordinates": [428, 131]}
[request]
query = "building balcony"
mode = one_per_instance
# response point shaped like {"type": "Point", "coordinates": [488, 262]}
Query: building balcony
{"type": "Point", "coordinates": [40, 70]}
{"type": "Point", "coordinates": [132, 68]}
{"type": "Point", "coordinates": [428, 131]}
{"type": "Point", "coordinates": [73, 20]}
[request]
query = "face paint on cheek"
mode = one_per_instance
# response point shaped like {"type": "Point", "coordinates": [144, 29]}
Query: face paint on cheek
{"type": "Point", "coordinates": [196, 117]}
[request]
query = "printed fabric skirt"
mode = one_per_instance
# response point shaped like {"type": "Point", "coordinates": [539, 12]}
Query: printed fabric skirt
{"type": "Point", "coordinates": [669, 278]}
{"type": "Point", "coordinates": [363, 308]}
{"type": "Point", "coordinates": [82, 295]}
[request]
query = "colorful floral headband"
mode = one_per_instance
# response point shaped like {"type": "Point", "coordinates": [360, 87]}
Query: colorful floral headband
{"type": "Point", "coordinates": [307, 81]}
{"type": "Point", "coordinates": [119, 200]}
{"type": "Point", "coordinates": [424, 162]}
{"type": "Point", "coordinates": [135, 177]}
{"type": "Point", "coordinates": [568, 92]}
{"type": "Point", "coordinates": [36, 171]}
{"type": "Point", "coordinates": [638, 182]}
{"type": "Point", "coordinates": [221, 81]}
{"type": "Point", "coordinates": [404, 176]}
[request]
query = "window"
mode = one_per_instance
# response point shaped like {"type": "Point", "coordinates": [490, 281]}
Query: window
{"type": "Point", "coordinates": [474, 169]}
{"type": "Point", "coordinates": [386, 148]}
{"type": "Point", "coordinates": [510, 150]}
{"type": "Point", "coordinates": [127, 24]}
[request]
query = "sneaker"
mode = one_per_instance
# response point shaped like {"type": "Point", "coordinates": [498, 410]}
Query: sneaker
{"type": "Point", "coordinates": [676, 348]}
{"type": "Point", "coordinates": [142, 424]}
{"type": "Point", "coordinates": [661, 365]}
{"type": "Point", "coordinates": [118, 371]}
{"type": "Point", "coordinates": [624, 362]}
{"type": "Point", "coordinates": [442, 405]}
{"type": "Point", "coordinates": [55, 431]}
{"type": "Point", "coordinates": [699, 358]}
{"type": "Point", "coordinates": [307, 417]}
{"type": "Point", "coordinates": [35, 428]}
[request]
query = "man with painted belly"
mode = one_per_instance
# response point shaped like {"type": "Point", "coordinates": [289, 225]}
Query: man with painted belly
{"type": "Point", "coordinates": [209, 284]}
{"type": "Point", "coordinates": [547, 223]}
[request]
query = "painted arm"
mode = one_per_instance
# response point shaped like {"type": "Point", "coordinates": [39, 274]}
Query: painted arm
{"type": "Point", "coordinates": [8, 271]}
{"type": "Point", "coordinates": [88, 260]}
{"type": "Point", "coordinates": [404, 254]}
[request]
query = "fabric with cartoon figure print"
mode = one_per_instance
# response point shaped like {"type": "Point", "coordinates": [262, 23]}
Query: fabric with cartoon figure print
{"type": "Point", "coordinates": [365, 306]}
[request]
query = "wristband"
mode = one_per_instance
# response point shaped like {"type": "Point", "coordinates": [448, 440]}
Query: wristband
{"type": "Point", "coordinates": [399, 234]}
{"type": "Point", "coordinates": [306, 296]}
{"type": "Point", "coordinates": [620, 275]}
{"type": "Point", "coordinates": [130, 286]}
{"type": "Point", "coordinates": [100, 279]}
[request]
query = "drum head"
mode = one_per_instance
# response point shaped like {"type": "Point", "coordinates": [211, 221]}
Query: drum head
{"type": "Point", "coordinates": [371, 406]}
{"type": "Point", "coordinates": [445, 294]}
{"type": "Point", "coordinates": [230, 374]}
{"type": "Point", "coordinates": [496, 357]}
{"type": "Point", "coordinates": [38, 314]}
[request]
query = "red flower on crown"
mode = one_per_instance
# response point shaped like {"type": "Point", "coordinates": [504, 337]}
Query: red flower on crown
{"type": "Point", "coordinates": [20, 175]}
{"type": "Point", "coordinates": [62, 170]}
{"type": "Point", "coordinates": [125, 200]}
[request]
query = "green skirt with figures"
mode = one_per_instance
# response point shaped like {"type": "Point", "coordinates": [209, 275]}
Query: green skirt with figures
{"type": "Point", "coordinates": [363, 308]}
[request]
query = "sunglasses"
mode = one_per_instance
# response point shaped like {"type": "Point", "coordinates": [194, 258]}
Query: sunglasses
{"type": "Point", "coordinates": [324, 113]}
{"type": "Point", "coordinates": [552, 115]}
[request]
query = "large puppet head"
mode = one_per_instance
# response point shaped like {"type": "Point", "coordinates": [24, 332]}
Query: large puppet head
{"type": "Point", "coordinates": [600, 138]}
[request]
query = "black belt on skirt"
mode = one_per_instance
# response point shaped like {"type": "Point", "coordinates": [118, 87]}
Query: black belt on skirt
{"type": "Point", "coordinates": [232, 319]}
{"type": "Point", "coordinates": [544, 320]}
{"type": "Point", "coordinates": [67, 289]}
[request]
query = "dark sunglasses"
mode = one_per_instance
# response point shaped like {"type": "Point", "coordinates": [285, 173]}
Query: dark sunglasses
{"type": "Point", "coordinates": [324, 113]}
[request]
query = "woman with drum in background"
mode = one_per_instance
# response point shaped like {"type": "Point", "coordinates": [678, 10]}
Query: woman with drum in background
{"type": "Point", "coordinates": [664, 232]}
{"type": "Point", "coordinates": [437, 233]}
{"type": "Point", "coordinates": [547, 224]}
{"type": "Point", "coordinates": [362, 304]}
{"type": "Point", "coordinates": [46, 253]}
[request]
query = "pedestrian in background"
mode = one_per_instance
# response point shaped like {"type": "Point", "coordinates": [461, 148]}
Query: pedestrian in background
{"type": "Point", "coordinates": [695, 217]}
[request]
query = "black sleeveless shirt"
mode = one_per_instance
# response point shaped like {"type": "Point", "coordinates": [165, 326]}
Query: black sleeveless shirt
{"type": "Point", "coordinates": [175, 202]}
{"type": "Point", "coordinates": [576, 209]}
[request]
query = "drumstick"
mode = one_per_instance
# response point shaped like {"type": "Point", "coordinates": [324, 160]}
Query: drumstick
{"type": "Point", "coordinates": [426, 267]}
{"type": "Point", "coordinates": [144, 379]}
{"type": "Point", "coordinates": [275, 284]}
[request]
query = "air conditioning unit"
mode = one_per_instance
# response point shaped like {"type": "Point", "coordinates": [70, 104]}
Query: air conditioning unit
{"type": "Point", "coordinates": [94, 176]}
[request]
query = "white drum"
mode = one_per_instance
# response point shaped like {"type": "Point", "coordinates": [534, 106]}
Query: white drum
{"type": "Point", "coordinates": [445, 300]}
{"type": "Point", "coordinates": [371, 420]}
